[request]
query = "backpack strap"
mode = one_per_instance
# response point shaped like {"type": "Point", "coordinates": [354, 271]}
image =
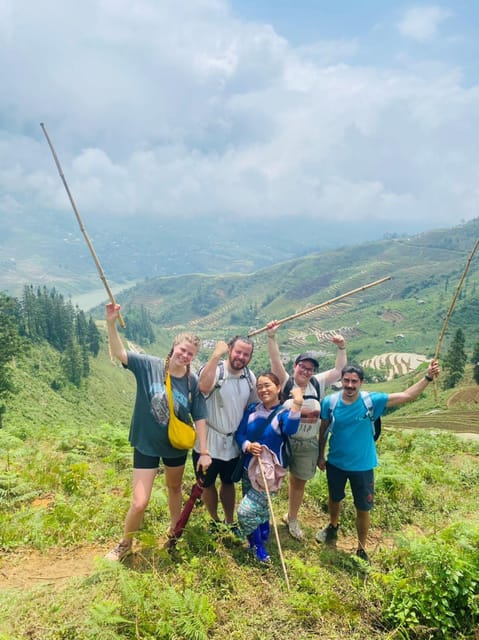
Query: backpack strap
{"type": "Point", "coordinates": [221, 378]}
{"type": "Point", "coordinates": [290, 384]}
{"type": "Point", "coordinates": [375, 423]}
{"type": "Point", "coordinates": [368, 403]}
{"type": "Point", "coordinates": [333, 401]}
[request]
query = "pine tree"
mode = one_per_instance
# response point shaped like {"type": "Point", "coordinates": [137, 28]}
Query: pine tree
{"type": "Point", "coordinates": [93, 337]}
{"type": "Point", "coordinates": [455, 360]}
{"type": "Point", "coordinates": [475, 362]}
{"type": "Point", "coordinates": [10, 345]}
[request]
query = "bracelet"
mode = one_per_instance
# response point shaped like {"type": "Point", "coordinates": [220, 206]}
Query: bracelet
{"type": "Point", "coordinates": [428, 378]}
{"type": "Point", "coordinates": [271, 337]}
{"type": "Point", "coordinates": [341, 348]}
{"type": "Point", "coordinates": [204, 453]}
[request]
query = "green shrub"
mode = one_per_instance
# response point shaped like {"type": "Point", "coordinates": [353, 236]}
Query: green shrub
{"type": "Point", "coordinates": [432, 589]}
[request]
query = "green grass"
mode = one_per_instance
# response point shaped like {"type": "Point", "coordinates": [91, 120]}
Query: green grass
{"type": "Point", "coordinates": [65, 484]}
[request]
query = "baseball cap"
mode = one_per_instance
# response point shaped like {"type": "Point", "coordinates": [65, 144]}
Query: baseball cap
{"type": "Point", "coordinates": [307, 355]}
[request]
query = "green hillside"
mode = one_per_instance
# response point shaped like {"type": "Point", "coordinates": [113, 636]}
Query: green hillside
{"type": "Point", "coordinates": [407, 312]}
{"type": "Point", "coordinates": [65, 485]}
{"type": "Point", "coordinates": [65, 475]}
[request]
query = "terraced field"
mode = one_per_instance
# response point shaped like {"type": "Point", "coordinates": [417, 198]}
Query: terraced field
{"type": "Point", "coordinates": [395, 363]}
{"type": "Point", "coordinates": [461, 415]}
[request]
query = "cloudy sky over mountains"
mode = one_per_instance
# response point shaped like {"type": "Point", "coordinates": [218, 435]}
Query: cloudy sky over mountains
{"type": "Point", "coordinates": [339, 110]}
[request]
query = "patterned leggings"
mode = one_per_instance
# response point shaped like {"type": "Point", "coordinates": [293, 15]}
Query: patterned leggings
{"type": "Point", "coordinates": [253, 509]}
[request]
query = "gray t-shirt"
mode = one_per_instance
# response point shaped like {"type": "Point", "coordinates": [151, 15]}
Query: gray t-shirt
{"type": "Point", "coordinates": [147, 434]}
{"type": "Point", "coordinates": [225, 411]}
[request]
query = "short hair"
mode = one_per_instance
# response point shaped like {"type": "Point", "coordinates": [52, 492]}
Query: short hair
{"type": "Point", "coordinates": [353, 368]}
{"type": "Point", "coordinates": [238, 338]}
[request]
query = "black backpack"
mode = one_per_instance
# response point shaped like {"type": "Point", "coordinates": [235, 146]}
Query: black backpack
{"type": "Point", "coordinates": [290, 384]}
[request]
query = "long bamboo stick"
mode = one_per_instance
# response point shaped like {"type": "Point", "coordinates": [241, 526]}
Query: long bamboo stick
{"type": "Point", "coordinates": [321, 305]}
{"type": "Point", "coordinates": [275, 526]}
{"type": "Point", "coordinates": [451, 307]}
{"type": "Point", "coordinates": [82, 226]}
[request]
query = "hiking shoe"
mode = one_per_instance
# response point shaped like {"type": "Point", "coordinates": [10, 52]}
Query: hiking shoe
{"type": "Point", "coordinates": [121, 551]}
{"type": "Point", "coordinates": [328, 535]}
{"type": "Point", "coordinates": [361, 553]}
{"type": "Point", "coordinates": [234, 530]}
{"type": "Point", "coordinates": [293, 527]}
{"type": "Point", "coordinates": [214, 527]}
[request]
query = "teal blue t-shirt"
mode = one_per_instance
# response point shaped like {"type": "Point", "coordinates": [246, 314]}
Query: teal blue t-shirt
{"type": "Point", "coordinates": [149, 434]}
{"type": "Point", "coordinates": [351, 441]}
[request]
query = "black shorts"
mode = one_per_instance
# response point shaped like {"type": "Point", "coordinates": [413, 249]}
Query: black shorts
{"type": "Point", "coordinates": [142, 461]}
{"type": "Point", "coordinates": [361, 483]}
{"type": "Point", "coordinates": [221, 468]}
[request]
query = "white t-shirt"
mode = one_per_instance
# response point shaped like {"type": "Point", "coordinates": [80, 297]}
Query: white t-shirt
{"type": "Point", "coordinates": [310, 420]}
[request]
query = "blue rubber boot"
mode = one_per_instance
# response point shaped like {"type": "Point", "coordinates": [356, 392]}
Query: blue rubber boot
{"type": "Point", "coordinates": [264, 531]}
{"type": "Point", "coordinates": [256, 544]}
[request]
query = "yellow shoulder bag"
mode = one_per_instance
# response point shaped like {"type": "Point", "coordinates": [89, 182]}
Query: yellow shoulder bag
{"type": "Point", "coordinates": [180, 434]}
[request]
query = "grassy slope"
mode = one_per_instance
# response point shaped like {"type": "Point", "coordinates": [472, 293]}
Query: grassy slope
{"type": "Point", "coordinates": [79, 464]}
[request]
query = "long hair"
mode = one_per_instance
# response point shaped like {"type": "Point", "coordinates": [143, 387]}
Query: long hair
{"type": "Point", "coordinates": [182, 337]}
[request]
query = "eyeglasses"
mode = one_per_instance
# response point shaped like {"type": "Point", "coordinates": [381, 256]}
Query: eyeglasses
{"type": "Point", "coordinates": [305, 368]}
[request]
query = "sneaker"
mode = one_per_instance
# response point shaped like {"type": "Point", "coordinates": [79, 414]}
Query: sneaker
{"type": "Point", "coordinates": [328, 535]}
{"type": "Point", "coordinates": [234, 529]}
{"type": "Point", "coordinates": [121, 551]}
{"type": "Point", "coordinates": [293, 527]}
{"type": "Point", "coordinates": [361, 553]}
{"type": "Point", "coordinates": [214, 527]}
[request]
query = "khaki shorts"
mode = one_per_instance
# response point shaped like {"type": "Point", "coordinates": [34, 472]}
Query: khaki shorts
{"type": "Point", "coordinates": [304, 457]}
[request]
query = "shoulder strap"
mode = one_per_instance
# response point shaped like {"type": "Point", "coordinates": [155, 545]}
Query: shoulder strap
{"type": "Point", "coordinates": [247, 376]}
{"type": "Point", "coordinates": [333, 401]}
{"type": "Point", "coordinates": [290, 383]}
{"type": "Point", "coordinates": [261, 427]}
{"type": "Point", "coordinates": [221, 378]}
{"type": "Point", "coordinates": [375, 422]}
{"type": "Point", "coordinates": [369, 404]}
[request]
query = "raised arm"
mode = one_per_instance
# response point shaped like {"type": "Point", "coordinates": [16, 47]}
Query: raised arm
{"type": "Point", "coordinates": [207, 377]}
{"type": "Point", "coordinates": [277, 366]}
{"type": "Point", "coordinates": [333, 375]}
{"type": "Point", "coordinates": [117, 349]}
{"type": "Point", "coordinates": [415, 390]}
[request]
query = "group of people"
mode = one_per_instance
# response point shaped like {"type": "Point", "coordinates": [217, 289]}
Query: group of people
{"type": "Point", "coordinates": [238, 419]}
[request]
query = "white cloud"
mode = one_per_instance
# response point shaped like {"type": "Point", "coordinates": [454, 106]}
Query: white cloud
{"type": "Point", "coordinates": [422, 23]}
{"type": "Point", "coordinates": [180, 108]}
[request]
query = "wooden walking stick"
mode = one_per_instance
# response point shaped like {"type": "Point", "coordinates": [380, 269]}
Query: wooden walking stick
{"type": "Point", "coordinates": [82, 226]}
{"type": "Point", "coordinates": [451, 307]}
{"type": "Point", "coordinates": [321, 305]}
{"type": "Point", "coordinates": [275, 527]}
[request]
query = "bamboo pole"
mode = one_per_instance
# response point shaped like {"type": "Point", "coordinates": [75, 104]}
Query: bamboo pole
{"type": "Point", "coordinates": [321, 305]}
{"type": "Point", "coordinates": [82, 226]}
{"type": "Point", "coordinates": [450, 310]}
{"type": "Point", "coordinates": [275, 526]}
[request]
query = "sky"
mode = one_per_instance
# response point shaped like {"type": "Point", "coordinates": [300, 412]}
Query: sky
{"type": "Point", "coordinates": [343, 111]}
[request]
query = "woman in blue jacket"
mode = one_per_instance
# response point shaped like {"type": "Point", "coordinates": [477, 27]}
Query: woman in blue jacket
{"type": "Point", "coordinates": [263, 425]}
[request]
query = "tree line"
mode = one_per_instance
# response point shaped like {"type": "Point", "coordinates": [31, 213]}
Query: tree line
{"type": "Point", "coordinates": [43, 315]}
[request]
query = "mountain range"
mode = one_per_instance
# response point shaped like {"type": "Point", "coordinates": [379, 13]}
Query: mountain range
{"type": "Point", "coordinates": [404, 313]}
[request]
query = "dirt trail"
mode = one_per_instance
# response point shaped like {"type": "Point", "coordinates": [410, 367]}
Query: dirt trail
{"type": "Point", "coordinates": [55, 566]}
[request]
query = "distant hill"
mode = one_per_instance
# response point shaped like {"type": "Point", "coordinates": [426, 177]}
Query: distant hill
{"type": "Point", "coordinates": [405, 314]}
{"type": "Point", "coordinates": [49, 249]}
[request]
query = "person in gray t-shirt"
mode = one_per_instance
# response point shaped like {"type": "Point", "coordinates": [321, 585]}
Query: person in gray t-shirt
{"type": "Point", "coordinates": [149, 424]}
{"type": "Point", "coordinates": [229, 386]}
